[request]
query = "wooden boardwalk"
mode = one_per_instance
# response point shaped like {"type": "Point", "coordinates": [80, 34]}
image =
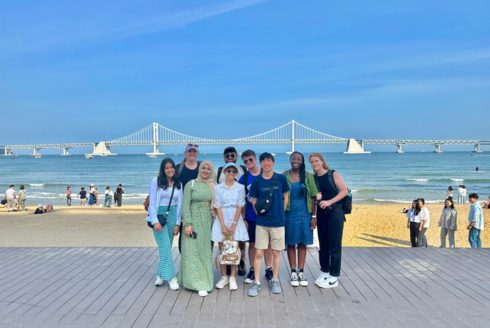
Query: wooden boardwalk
{"type": "Point", "coordinates": [114, 287]}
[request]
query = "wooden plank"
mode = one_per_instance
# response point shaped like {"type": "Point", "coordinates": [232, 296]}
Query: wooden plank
{"type": "Point", "coordinates": [208, 306]}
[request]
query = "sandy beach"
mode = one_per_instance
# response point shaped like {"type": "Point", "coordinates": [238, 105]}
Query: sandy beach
{"type": "Point", "coordinates": [368, 225]}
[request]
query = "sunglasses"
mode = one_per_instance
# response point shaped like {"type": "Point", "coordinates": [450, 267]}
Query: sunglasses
{"type": "Point", "coordinates": [192, 146]}
{"type": "Point", "coordinates": [231, 171]}
{"type": "Point", "coordinates": [230, 156]}
{"type": "Point", "coordinates": [251, 159]}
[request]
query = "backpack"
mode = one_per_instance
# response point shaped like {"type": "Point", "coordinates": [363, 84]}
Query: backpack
{"type": "Point", "coordinates": [229, 254]}
{"type": "Point", "coordinates": [346, 202]}
{"type": "Point", "coordinates": [220, 169]}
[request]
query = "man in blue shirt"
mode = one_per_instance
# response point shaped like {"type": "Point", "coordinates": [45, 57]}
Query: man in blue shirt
{"type": "Point", "coordinates": [270, 223]}
{"type": "Point", "coordinates": [250, 160]}
{"type": "Point", "coordinates": [475, 218]}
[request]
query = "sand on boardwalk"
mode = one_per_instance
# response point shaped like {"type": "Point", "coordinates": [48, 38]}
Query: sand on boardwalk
{"type": "Point", "coordinates": [368, 225]}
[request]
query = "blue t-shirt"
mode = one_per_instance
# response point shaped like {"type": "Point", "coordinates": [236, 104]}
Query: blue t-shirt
{"type": "Point", "coordinates": [260, 189]}
{"type": "Point", "coordinates": [250, 213]}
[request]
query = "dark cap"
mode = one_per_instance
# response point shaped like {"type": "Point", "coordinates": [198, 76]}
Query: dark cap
{"type": "Point", "coordinates": [229, 150]}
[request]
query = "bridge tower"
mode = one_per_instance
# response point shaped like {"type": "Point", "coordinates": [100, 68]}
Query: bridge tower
{"type": "Point", "coordinates": [155, 142]}
{"type": "Point", "coordinates": [477, 148]}
{"type": "Point", "coordinates": [65, 152]}
{"type": "Point", "coordinates": [438, 148]}
{"type": "Point", "coordinates": [353, 147]}
{"type": "Point", "coordinates": [292, 138]}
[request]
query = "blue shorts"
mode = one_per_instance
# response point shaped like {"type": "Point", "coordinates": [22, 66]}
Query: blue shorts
{"type": "Point", "coordinates": [251, 231]}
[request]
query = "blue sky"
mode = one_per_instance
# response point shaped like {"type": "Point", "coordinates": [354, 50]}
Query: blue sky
{"type": "Point", "coordinates": [89, 71]}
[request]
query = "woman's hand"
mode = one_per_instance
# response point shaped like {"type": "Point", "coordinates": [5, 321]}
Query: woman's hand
{"type": "Point", "coordinates": [231, 230]}
{"type": "Point", "coordinates": [324, 204]}
{"type": "Point", "coordinates": [246, 224]}
{"type": "Point", "coordinates": [224, 230]}
{"type": "Point", "coordinates": [157, 226]}
{"type": "Point", "coordinates": [420, 229]}
{"type": "Point", "coordinates": [408, 226]}
{"type": "Point", "coordinates": [188, 231]}
{"type": "Point", "coordinates": [176, 230]}
{"type": "Point", "coordinates": [312, 224]}
{"type": "Point", "coordinates": [319, 196]}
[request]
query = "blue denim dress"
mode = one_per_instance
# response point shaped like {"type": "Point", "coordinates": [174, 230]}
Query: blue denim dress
{"type": "Point", "coordinates": [298, 220]}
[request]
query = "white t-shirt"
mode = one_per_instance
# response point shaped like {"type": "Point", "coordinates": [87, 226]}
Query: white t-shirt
{"type": "Point", "coordinates": [427, 216]}
{"type": "Point", "coordinates": [10, 193]}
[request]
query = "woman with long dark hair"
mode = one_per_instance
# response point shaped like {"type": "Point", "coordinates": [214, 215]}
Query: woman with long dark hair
{"type": "Point", "coordinates": [118, 195]}
{"type": "Point", "coordinates": [448, 223]}
{"type": "Point", "coordinates": [330, 220]}
{"type": "Point", "coordinates": [166, 197]}
{"type": "Point", "coordinates": [300, 216]}
{"type": "Point", "coordinates": [415, 215]}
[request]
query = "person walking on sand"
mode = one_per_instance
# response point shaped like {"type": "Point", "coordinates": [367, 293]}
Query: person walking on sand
{"type": "Point", "coordinates": [229, 199]}
{"type": "Point", "coordinates": [460, 194]}
{"type": "Point", "coordinates": [476, 223]}
{"type": "Point", "coordinates": [83, 196]}
{"type": "Point", "coordinates": [22, 198]}
{"type": "Point", "coordinates": [10, 198]}
{"type": "Point", "coordinates": [330, 221]}
{"type": "Point", "coordinates": [68, 196]}
{"type": "Point", "coordinates": [118, 195]}
{"type": "Point", "coordinates": [300, 216]}
{"type": "Point", "coordinates": [250, 160]}
{"type": "Point", "coordinates": [164, 215]}
{"type": "Point", "coordinates": [109, 194]}
{"type": "Point", "coordinates": [449, 193]}
{"type": "Point", "coordinates": [426, 224]}
{"type": "Point", "coordinates": [198, 213]}
{"type": "Point", "coordinates": [269, 192]}
{"type": "Point", "coordinates": [448, 223]}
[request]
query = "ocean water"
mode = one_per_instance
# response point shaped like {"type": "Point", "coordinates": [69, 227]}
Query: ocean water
{"type": "Point", "coordinates": [374, 178]}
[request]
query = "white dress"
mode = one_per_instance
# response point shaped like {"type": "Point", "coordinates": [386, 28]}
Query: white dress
{"type": "Point", "coordinates": [229, 200]}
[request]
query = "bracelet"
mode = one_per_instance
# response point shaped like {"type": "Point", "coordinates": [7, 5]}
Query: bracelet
{"type": "Point", "coordinates": [313, 216]}
{"type": "Point", "coordinates": [235, 222]}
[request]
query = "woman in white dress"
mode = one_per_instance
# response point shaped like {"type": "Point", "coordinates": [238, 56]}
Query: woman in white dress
{"type": "Point", "coordinates": [229, 201]}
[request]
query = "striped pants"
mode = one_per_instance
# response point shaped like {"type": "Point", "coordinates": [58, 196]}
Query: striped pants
{"type": "Point", "coordinates": [164, 240]}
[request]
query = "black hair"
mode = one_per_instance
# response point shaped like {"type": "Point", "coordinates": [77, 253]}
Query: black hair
{"type": "Point", "coordinates": [421, 200]}
{"type": "Point", "coordinates": [162, 181]}
{"type": "Point", "coordinates": [450, 188]}
{"type": "Point", "coordinates": [229, 150]}
{"type": "Point", "coordinates": [107, 187]}
{"type": "Point", "coordinates": [266, 156]}
{"type": "Point", "coordinates": [302, 171]}
{"type": "Point", "coordinates": [417, 207]}
{"type": "Point", "coordinates": [22, 187]}
{"type": "Point", "coordinates": [452, 203]}
{"type": "Point", "coordinates": [473, 195]}
{"type": "Point", "coordinates": [83, 188]}
{"type": "Point", "coordinates": [11, 186]}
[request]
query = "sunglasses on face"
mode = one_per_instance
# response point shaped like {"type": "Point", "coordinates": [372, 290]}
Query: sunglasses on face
{"type": "Point", "coordinates": [251, 159]}
{"type": "Point", "coordinates": [193, 146]}
{"type": "Point", "coordinates": [231, 172]}
{"type": "Point", "coordinates": [230, 156]}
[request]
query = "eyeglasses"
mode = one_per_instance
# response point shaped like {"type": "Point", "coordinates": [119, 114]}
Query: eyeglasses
{"type": "Point", "coordinates": [251, 159]}
{"type": "Point", "coordinates": [192, 146]}
{"type": "Point", "coordinates": [230, 156]}
{"type": "Point", "coordinates": [231, 171]}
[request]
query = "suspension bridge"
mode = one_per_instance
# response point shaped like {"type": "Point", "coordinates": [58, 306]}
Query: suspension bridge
{"type": "Point", "coordinates": [292, 133]}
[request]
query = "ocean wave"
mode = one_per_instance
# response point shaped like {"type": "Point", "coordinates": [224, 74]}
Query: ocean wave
{"type": "Point", "coordinates": [457, 180]}
{"type": "Point", "coordinates": [397, 201]}
{"type": "Point", "coordinates": [36, 184]}
{"type": "Point", "coordinates": [135, 196]}
{"type": "Point", "coordinates": [417, 180]}
{"type": "Point", "coordinates": [46, 195]}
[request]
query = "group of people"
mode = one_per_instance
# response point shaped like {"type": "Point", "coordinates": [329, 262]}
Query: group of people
{"type": "Point", "coordinates": [13, 201]}
{"type": "Point", "coordinates": [92, 199]}
{"type": "Point", "coordinates": [419, 221]}
{"type": "Point", "coordinates": [245, 203]}
{"type": "Point", "coordinates": [461, 193]}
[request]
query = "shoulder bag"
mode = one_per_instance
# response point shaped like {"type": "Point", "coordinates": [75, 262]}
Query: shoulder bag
{"type": "Point", "coordinates": [162, 218]}
{"type": "Point", "coordinates": [263, 207]}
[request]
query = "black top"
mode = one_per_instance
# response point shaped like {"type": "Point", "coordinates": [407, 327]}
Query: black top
{"type": "Point", "coordinates": [326, 188]}
{"type": "Point", "coordinates": [187, 175]}
{"type": "Point", "coordinates": [83, 194]}
{"type": "Point", "coordinates": [119, 190]}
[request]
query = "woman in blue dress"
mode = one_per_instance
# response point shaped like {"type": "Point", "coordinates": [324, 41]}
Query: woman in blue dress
{"type": "Point", "coordinates": [300, 216]}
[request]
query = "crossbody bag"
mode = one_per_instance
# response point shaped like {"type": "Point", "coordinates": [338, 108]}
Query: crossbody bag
{"type": "Point", "coordinates": [162, 218]}
{"type": "Point", "coordinates": [263, 207]}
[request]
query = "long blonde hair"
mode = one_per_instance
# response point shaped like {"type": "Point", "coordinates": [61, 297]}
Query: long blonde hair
{"type": "Point", "coordinates": [325, 166]}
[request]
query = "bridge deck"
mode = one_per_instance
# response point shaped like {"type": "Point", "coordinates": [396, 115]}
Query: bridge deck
{"type": "Point", "coordinates": [113, 287]}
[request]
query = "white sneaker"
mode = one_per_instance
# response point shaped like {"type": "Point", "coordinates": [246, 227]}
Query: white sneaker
{"type": "Point", "coordinates": [233, 285]}
{"type": "Point", "coordinates": [173, 284]}
{"type": "Point", "coordinates": [322, 276]}
{"type": "Point", "coordinates": [202, 293]}
{"type": "Point", "coordinates": [222, 282]}
{"type": "Point", "coordinates": [329, 282]}
{"type": "Point", "coordinates": [159, 281]}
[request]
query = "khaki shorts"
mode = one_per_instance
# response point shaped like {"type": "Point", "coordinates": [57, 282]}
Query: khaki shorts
{"type": "Point", "coordinates": [265, 234]}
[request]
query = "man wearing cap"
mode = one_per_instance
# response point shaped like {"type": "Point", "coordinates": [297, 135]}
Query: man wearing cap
{"type": "Point", "coordinates": [188, 170]}
{"type": "Point", "coordinates": [230, 156]}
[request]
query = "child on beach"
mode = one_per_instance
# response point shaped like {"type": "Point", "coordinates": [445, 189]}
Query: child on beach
{"type": "Point", "coordinates": [83, 197]}
{"type": "Point", "coordinates": [68, 196]}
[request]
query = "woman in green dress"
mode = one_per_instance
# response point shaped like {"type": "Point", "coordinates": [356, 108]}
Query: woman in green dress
{"type": "Point", "coordinates": [196, 263]}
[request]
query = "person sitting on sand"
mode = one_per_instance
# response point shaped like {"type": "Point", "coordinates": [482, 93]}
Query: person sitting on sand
{"type": "Point", "coordinates": [486, 204]}
{"type": "Point", "coordinates": [40, 209]}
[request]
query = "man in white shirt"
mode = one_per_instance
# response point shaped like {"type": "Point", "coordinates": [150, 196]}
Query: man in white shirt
{"type": "Point", "coordinates": [10, 197]}
{"type": "Point", "coordinates": [427, 221]}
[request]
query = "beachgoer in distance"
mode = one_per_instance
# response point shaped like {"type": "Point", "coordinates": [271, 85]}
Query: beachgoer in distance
{"type": "Point", "coordinates": [463, 195]}
{"type": "Point", "coordinates": [250, 160]}
{"type": "Point", "coordinates": [460, 194]}
{"type": "Point", "coordinates": [22, 198]}
{"type": "Point", "coordinates": [330, 221]}
{"type": "Point", "coordinates": [109, 194]}
{"type": "Point", "coordinates": [449, 193]}
{"type": "Point", "coordinates": [196, 264]}
{"type": "Point", "coordinates": [166, 196]}
{"type": "Point", "coordinates": [300, 216]}
{"type": "Point", "coordinates": [10, 198]}
{"type": "Point", "coordinates": [426, 224]}
{"type": "Point", "coordinates": [448, 223]}
{"type": "Point", "coordinates": [415, 216]}
{"type": "Point", "coordinates": [96, 196]}
{"type": "Point", "coordinates": [477, 169]}
{"type": "Point", "coordinates": [230, 156]}
{"type": "Point", "coordinates": [83, 196]}
{"type": "Point", "coordinates": [487, 203]}
{"type": "Point", "coordinates": [270, 224]}
{"type": "Point", "coordinates": [40, 209]}
{"type": "Point", "coordinates": [91, 190]}
{"type": "Point", "coordinates": [188, 170]}
{"type": "Point", "coordinates": [229, 199]}
{"type": "Point", "coordinates": [68, 196]}
{"type": "Point", "coordinates": [476, 223]}
{"type": "Point", "coordinates": [118, 195]}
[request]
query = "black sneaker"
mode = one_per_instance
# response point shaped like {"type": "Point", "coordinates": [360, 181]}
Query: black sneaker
{"type": "Point", "coordinates": [250, 278]}
{"type": "Point", "coordinates": [268, 273]}
{"type": "Point", "coordinates": [242, 268]}
{"type": "Point", "coordinates": [228, 270]}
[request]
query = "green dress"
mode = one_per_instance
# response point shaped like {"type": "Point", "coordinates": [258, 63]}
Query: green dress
{"type": "Point", "coordinates": [196, 263]}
